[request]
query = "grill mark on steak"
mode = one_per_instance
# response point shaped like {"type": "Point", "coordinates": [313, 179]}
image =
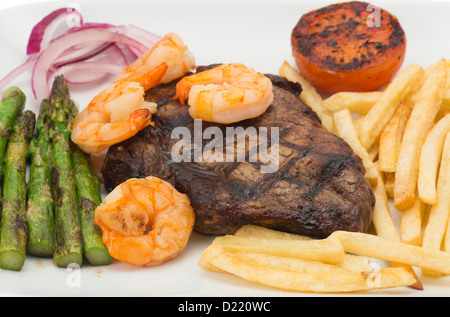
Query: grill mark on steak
{"type": "Point", "coordinates": [333, 167]}
{"type": "Point", "coordinates": [319, 187]}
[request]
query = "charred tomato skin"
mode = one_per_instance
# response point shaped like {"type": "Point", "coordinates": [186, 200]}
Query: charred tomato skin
{"type": "Point", "coordinates": [349, 46]}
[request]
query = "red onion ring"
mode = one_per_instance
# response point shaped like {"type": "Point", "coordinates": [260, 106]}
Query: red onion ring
{"type": "Point", "coordinates": [84, 52]}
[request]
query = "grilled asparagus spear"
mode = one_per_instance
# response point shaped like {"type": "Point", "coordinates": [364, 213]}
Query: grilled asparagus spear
{"type": "Point", "coordinates": [89, 197]}
{"type": "Point", "coordinates": [13, 230]}
{"type": "Point", "coordinates": [68, 245]}
{"type": "Point", "coordinates": [11, 105]}
{"type": "Point", "coordinates": [40, 215]}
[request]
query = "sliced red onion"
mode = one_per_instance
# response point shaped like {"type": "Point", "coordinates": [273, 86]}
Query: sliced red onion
{"type": "Point", "coordinates": [111, 61]}
{"type": "Point", "coordinates": [114, 55]}
{"type": "Point", "coordinates": [85, 72]}
{"type": "Point", "coordinates": [86, 51]}
{"type": "Point", "coordinates": [44, 30]}
{"type": "Point", "coordinates": [145, 37]}
{"type": "Point", "coordinates": [58, 46]}
{"type": "Point", "coordinates": [83, 53]}
{"type": "Point", "coordinates": [77, 54]}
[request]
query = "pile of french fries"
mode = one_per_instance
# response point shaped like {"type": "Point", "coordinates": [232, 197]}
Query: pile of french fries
{"type": "Point", "coordinates": [339, 263]}
{"type": "Point", "coordinates": [402, 135]}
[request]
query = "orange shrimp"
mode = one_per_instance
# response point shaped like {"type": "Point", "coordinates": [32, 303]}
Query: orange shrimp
{"type": "Point", "coordinates": [170, 50]}
{"type": "Point", "coordinates": [145, 221]}
{"type": "Point", "coordinates": [226, 94]}
{"type": "Point", "coordinates": [116, 113]}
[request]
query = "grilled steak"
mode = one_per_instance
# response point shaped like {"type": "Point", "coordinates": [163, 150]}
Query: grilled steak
{"type": "Point", "coordinates": [318, 186]}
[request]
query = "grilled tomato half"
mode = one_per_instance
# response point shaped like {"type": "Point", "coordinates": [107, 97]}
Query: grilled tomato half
{"type": "Point", "coordinates": [349, 46]}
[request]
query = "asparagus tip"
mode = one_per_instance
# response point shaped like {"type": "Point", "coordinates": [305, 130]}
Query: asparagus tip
{"type": "Point", "coordinates": [13, 92]}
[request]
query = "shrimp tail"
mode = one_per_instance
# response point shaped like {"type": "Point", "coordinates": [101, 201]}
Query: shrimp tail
{"type": "Point", "coordinates": [153, 77]}
{"type": "Point", "coordinates": [147, 79]}
{"type": "Point", "coordinates": [182, 91]}
{"type": "Point", "coordinates": [211, 76]}
{"type": "Point", "coordinates": [140, 118]}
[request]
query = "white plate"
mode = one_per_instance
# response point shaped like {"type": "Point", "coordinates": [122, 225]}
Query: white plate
{"type": "Point", "coordinates": [256, 33]}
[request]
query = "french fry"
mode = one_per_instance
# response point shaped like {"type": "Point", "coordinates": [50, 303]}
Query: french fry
{"type": "Point", "coordinates": [447, 233]}
{"type": "Point", "coordinates": [413, 97]}
{"type": "Point", "coordinates": [346, 130]}
{"type": "Point", "coordinates": [446, 101]}
{"type": "Point", "coordinates": [369, 99]}
{"type": "Point", "coordinates": [253, 231]}
{"type": "Point", "coordinates": [206, 265]}
{"type": "Point", "coordinates": [382, 219]}
{"type": "Point", "coordinates": [309, 95]}
{"type": "Point", "coordinates": [384, 225]}
{"type": "Point", "coordinates": [316, 250]}
{"type": "Point", "coordinates": [429, 160]}
{"type": "Point", "coordinates": [373, 151]}
{"type": "Point", "coordinates": [355, 263]}
{"type": "Point", "coordinates": [393, 251]}
{"type": "Point", "coordinates": [356, 102]}
{"type": "Point", "coordinates": [358, 121]}
{"type": "Point", "coordinates": [434, 232]}
{"type": "Point", "coordinates": [389, 184]}
{"type": "Point", "coordinates": [362, 102]}
{"type": "Point", "coordinates": [277, 262]}
{"type": "Point", "coordinates": [375, 148]}
{"type": "Point", "coordinates": [288, 263]}
{"type": "Point", "coordinates": [351, 262]}
{"type": "Point", "coordinates": [421, 120]}
{"type": "Point", "coordinates": [391, 138]}
{"type": "Point", "coordinates": [411, 223]}
{"type": "Point", "coordinates": [380, 114]}
{"type": "Point", "coordinates": [323, 282]}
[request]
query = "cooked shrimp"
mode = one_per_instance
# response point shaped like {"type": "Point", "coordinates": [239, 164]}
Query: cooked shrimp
{"type": "Point", "coordinates": [117, 113]}
{"type": "Point", "coordinates": [170, 50]}
{"type": "Point", "coordinates": [226, 94]}
{"type": "Point", "coordinates": [106, 121]}
{"type": "Point", "coordinates": [145, 221]}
